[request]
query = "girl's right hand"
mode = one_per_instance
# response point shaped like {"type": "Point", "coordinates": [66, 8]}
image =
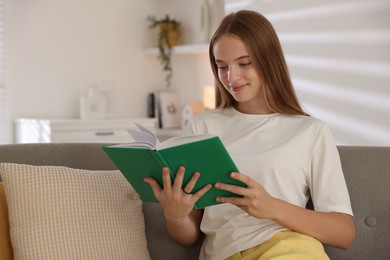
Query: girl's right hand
{"type": "Point", "coordinates": [176, 202]}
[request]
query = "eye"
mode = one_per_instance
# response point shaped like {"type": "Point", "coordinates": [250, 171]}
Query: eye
{"type": "Point", "coordinates": [245, 64]}
{"type": "Point", "coordinates": [222, 68]}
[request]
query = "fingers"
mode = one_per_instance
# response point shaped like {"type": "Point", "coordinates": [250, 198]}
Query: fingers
{"type": "Point", "coordinates": [178, 183]}
{"type": "Point", "coordinates": [242, 177]}
{"type": "Point", "coordinates": [201, 192]}
{"type": "Point", "coordinates": [243, 191]}
{"type": "Point", "coordinates": [154, 185]}
{"type": "Point", "coordinates": [249, 183]}
{"type": "Point", "coordinates": [167, 183]}
{"type": "Point", "coordinates": [177, 186]}
{"type": "Point", "coordinates": [250, 196]}
{"type": "Point", "coordinates": [241, 200]}
{"type": "Point", "coordinates": [232, 200]}
{"type": "Point", "coordinates": [232, 188]}
{"type": "Point", "coordinates": [191, 184]}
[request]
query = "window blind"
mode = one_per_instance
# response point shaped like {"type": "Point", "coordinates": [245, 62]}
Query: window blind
{"type": "Point", "coordinates": [338, 56]}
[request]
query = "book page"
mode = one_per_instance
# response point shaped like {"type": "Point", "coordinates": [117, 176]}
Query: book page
{"type": "Point", "coordinates": [179, 140]}
{"type": "Point", "coordinates": [145, 138]}
{"type": "Point", "coordinates": [144, 135]}
{"type": "Point", "coordinates": [136, 145]}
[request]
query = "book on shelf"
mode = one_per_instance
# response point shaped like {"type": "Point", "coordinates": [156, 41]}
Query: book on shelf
{"type": "Point", "coordinates": [145, 157]}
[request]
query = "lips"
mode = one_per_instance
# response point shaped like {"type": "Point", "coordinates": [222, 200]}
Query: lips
{"type": "Point", "coordinates": [236, 89]}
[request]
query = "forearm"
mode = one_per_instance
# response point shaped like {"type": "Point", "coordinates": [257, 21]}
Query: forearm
{"type": "Point", "coordinates": [186, 231]}
{"type": "Point", "coordinates": [331, 228]}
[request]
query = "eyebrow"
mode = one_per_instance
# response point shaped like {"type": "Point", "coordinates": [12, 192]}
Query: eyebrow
{"type": "Point", "coordinates": [239, 58]}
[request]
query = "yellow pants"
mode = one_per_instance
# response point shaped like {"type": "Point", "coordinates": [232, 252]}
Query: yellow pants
{"type": "Point", "coordinates": [285, 245]}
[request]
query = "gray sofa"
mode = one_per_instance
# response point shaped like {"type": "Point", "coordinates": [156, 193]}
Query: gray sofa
{"type": "Point", "coordinates": [366, 169]}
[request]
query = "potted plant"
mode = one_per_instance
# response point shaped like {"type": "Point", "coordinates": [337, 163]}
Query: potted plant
{"type": "Point", "coordinates": [168, 33]}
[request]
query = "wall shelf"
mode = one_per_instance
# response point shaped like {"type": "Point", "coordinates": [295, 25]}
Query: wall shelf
{"type": "Point", "coordinates": [183, 49]}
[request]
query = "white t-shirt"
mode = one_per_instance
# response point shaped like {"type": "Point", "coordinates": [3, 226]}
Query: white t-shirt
{"type": "Point", "coordinates": [293, 157]}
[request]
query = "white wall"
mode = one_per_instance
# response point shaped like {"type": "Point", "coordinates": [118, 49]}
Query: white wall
{"type": "Point", "coordinates": [338, 54]}
{"type": "Point", "coordinates": [55, 50]}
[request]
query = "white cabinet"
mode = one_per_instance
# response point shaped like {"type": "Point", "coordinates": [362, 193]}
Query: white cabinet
{"type": "Point", "coordinates": [31, 130]}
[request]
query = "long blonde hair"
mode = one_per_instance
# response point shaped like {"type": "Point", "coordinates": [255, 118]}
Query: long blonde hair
{"type": "Point", "coordinates": [262, 43]}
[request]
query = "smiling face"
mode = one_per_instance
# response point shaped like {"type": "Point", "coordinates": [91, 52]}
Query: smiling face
{"type": "Point", "coordinates": [249, 67]}
{"type": "Point", "coordinates": [239, 76]}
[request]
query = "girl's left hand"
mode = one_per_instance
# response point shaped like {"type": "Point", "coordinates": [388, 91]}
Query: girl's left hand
{"type": "Point", "coordinates": [255, 200]}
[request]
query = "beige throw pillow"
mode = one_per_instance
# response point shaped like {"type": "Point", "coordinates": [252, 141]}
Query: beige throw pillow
{"type": "Point", "coordinates": [63, 213]}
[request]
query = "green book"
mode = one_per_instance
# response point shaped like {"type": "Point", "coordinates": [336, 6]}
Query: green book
{"type": "Point", "coordinates": [145, 157]}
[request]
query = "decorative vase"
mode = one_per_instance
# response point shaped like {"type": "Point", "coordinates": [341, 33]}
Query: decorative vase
{"type": "Point", "coordinates": [168, 34]}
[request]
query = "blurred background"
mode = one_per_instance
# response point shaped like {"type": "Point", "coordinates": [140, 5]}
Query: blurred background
{"type": "Point", "coordinates": [54, 52]}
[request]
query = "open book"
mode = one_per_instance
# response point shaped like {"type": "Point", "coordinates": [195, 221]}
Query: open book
{"type": "Point", "coordinates": [146, 156]}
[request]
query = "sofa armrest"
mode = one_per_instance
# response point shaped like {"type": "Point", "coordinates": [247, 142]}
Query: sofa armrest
{"type": "Point", "coordinates": [5, 240]}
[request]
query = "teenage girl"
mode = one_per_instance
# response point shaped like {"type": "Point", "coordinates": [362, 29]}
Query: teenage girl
{"type": "Point", "coordinates": [285, 158]}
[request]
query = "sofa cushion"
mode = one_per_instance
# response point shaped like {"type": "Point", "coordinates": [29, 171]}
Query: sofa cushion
{"type": "Point", "coordinates": [58, 212]}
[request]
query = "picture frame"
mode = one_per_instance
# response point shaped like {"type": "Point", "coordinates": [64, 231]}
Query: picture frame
{"type": "Point", "coordinates": [168, 109]}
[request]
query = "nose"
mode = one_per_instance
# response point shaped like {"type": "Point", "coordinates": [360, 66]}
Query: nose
{"type": "Point", "coordinates": [233, 74]}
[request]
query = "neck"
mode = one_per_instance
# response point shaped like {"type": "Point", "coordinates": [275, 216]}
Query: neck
{"type": "Point", "coordinates": [255, 109]}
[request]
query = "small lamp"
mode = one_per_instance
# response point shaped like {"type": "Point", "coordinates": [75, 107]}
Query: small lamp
{"type": "Point", "coordinates": [209, 97]}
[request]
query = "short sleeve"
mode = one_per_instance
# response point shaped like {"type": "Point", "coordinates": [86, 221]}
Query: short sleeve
{"type": "Point", "coordinates": [327, 184]}
{"type": "Point", "coordinates": [196, 125]}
